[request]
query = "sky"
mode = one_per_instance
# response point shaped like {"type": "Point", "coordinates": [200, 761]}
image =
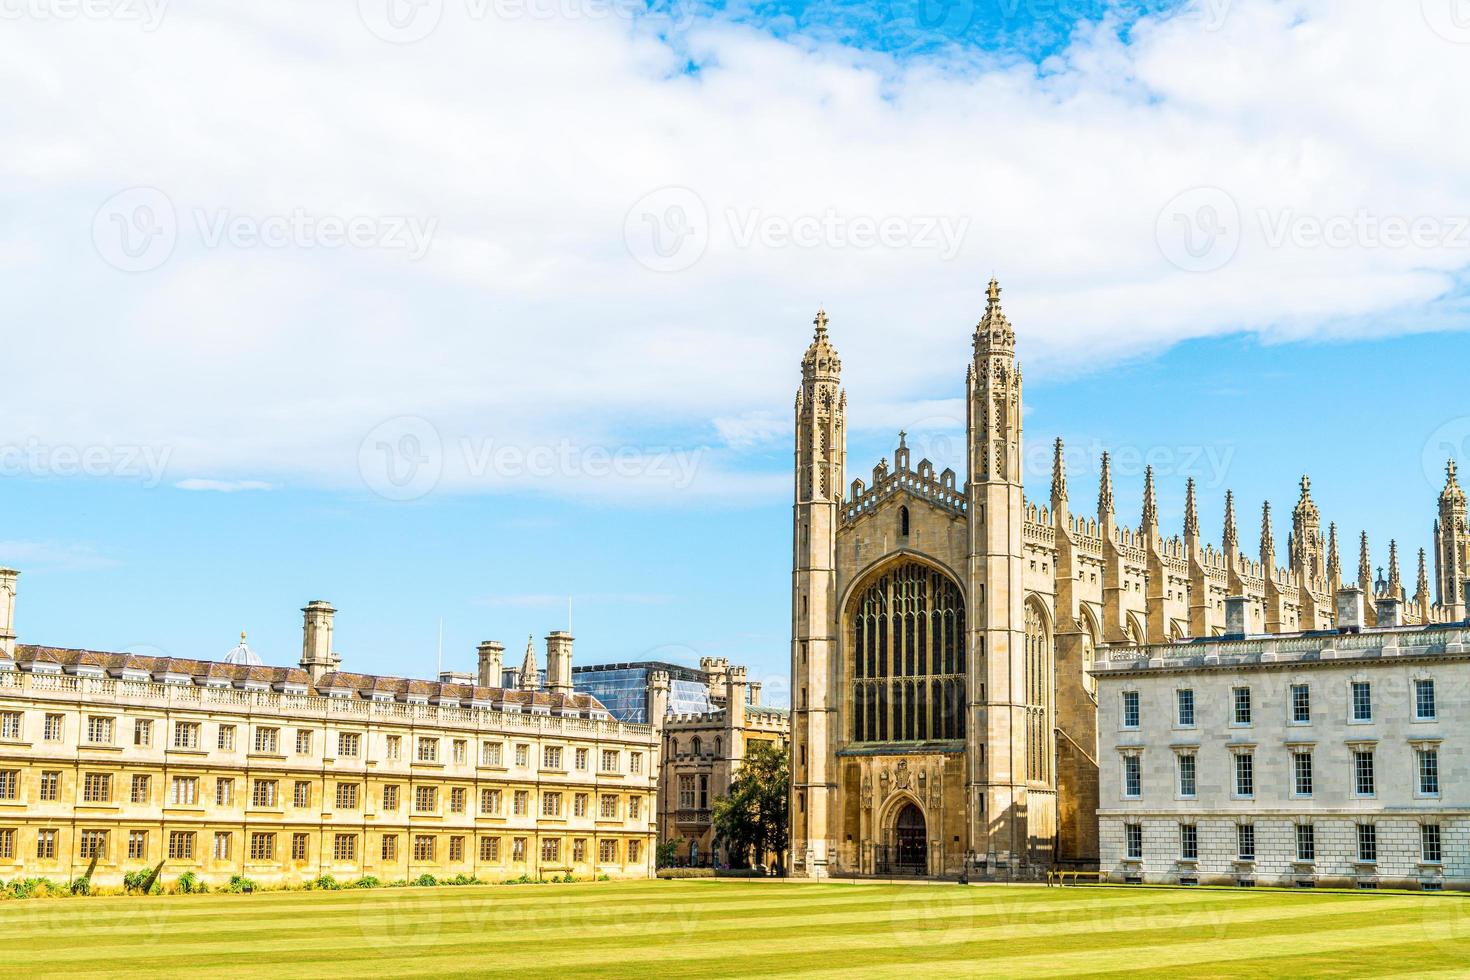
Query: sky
{"type": "Point", "coordinates": [459, 309]}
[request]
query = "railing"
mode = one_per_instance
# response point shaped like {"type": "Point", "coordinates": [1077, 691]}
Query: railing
{"type": "Point", "coordinates": [96, 690]}
{"type": "Point", "coordinates": [1414, 639]}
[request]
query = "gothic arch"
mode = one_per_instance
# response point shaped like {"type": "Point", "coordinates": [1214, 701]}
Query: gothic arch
{"type": "Point", "coordinates": [1039, 688]}
{"type": "Point", "coordinates": [892, 807]}
{"type": "Point", "coordinates": [863, 577]}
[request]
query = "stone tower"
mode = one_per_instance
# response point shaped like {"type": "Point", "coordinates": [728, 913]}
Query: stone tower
{"type": "Point", "coordinates": [820, 456]}
{"type": "Point", "coordinates": [1452, 545]}
{"type": "Point", "coordinates": [559, 662]}
{"type": "Point", "coordinates": [8, 579]}
{"type": "Point", "coordinates": [491, 663]}
{"type": "Point", "coordinates": [317, 656]}
{"type": "Point", "coordinates": [1002, 714]}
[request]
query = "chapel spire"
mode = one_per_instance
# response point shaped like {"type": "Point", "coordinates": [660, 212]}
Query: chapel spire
{"type": "Point", "coordinates": [530, 675]}
{"type": "Point", "coordinates": [1105, 488]}
{"type": "Point", "coordinates": [1058, 475]}
{"type": "Point", "coordinates": [1365, 566]}
{"type": "Point", "coordinates": [1150, 502]}
{"type": "Point", "coordinates": [1191, 510]}
{"type": "Point", "coordinates": [1231, 537]}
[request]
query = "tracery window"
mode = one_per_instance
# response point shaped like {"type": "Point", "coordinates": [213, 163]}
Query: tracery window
{"type": "Point", "coordinates": [1038, 694]}
{"type": "Point", "coordinates": [908, 630]}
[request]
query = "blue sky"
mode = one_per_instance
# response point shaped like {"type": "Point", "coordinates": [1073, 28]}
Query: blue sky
{"type": "Point", "coordinates": [458, 316]}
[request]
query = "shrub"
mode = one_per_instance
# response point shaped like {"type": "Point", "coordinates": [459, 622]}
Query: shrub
{"type": "Point", "coordinates": [672, 873]}
{"type": "Point", "coordinates": [325, 883]}
{"type": "Point", "coordinates": [366, 881]}
{"type": "Point", "coordinates": [461, 879]}
{"type": "Point", "coordinates": [34, 888]}
{"type": "Point", "coordinates": [426, 880]}
{"type": "Point", "coordinates": [522, 880]}
{"type": "Point", "coordinates": [189, 884]}
{"type": "Point", "coordinates": [398, 884]}
{"type": "Point", "coordinates": [567, 878]}
{"type": "Point", "coordinates": [604, 877]}
{"type": "Point", "coordinates": [240, 885]}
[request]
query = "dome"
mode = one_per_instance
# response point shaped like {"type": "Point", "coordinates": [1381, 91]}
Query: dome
{"type": "Point", "coordinates": [243, 656]}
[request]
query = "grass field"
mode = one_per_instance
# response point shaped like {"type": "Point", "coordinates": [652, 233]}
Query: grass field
{"type": "Point", "coordinates": [730, 928]}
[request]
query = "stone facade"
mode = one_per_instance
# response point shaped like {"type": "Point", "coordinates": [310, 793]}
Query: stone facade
{"type": "Point", "coordinates": [1339, 755]}
{"type": "Point", "coordinates": [284, 774]}
{"type": "Point", "coordinates": [944, 627]}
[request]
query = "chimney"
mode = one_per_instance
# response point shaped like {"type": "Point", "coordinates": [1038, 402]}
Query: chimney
{"type": "Point", "coordinates": [1390, 610]}
{"type": "Point", "coordinates": [317, 658]}
{"type": "Point", "coordinates": [492, 663]}
{"type": "Point", "coordinates": [755, 694]}
{"type": "Point", "coordinates": [735, 698]}
{"type": "Point", "coordinates": [8, 577]}
{"type": "Point", "coordinates": [1235, 617]}
{"type": "Point", "coordinates": [658, 697]}
{"type": "Point", "coordinates": [1350, 611]}
{"type": "Point", "coordinates": [559, 662]}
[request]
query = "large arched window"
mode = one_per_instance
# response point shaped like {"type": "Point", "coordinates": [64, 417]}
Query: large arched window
{"type": "Point", "coordinates": [1039, 659]}
{"type": "Point", "coordinates": [908, 657]}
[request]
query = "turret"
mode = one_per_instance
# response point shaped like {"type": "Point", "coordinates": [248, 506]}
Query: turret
{"type": "Point", "coordinates": [530, 676]}
{"type": "Point", "coordinates": [8, 583]}
{"type": "Point", "coordinates": [317, 656]}
{"type": "Point", "coordinates": [735, 698]}
{"type": "Point", "coordinates": [1452, 545]}
{"type": "Point", "coordinates": [658, 697]}
{"type": "Point", "coordinates": [492, 663]}
{"type": "Point", "coordinates": [559, 662]}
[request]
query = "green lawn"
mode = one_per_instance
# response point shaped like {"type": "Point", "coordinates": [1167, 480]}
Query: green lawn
{"type": "Point", "coordinates": [729, 928]}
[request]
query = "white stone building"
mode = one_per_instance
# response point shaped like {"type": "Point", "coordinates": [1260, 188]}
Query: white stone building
{"type": "Point", "coordinates": [1320, 759]}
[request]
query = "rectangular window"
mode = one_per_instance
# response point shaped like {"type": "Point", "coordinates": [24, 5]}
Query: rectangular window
{"type": "Point", "coordinates": [428, 750]}
{"type": "Point", "coordinates": [99, 731]}
{"type": "Point", "coordinates": [1428, 766]}
{"type": "Point", "coordinates": [1301, 765]}
{"type": "Point", "coordinates": [10, 724]}
{"type": "Point", "coordinates": [1130, 709]}
{"type": "Point", "coordinates": [607, 851]}
{"type": "Point", "coordinates": [456, 849]}
{"type": "Point", "coordinates": [520, 803]}
{"type": "Point", "coordinates": [395, 748]}
{"type": "Point", "coordinates": [50, 786]}
{"type": "Point", "coordinates": [551, 757]}
{"type": "Point", "coordinates": [93, 844]}
{"type": "Point", "coordinates": [303, 741]}
{"type": "Point", "coordinates": [1184, 698]}
{"type": "Point", "coordinates": [51, 730]}
{"type": "Point", "coordinates": [349, 744]}
{"type": "Point", "coordinates": [686, 792]}
{"type": "Point", "coordinates": [579, 805]}
{"type": "Point", "coordinates": [1186, 775]}
{"type": "Point", "coordinates": [1245, 841]}
{"type": "Point", "coordinates": [1132, 776]}
{"type": "Point", "coordinates": [551, 849]}
{"type": "Point", "coordinates": [186, 734]}
{"type": "Point", "coordinates": [298, 846]}
{"type": "Point", "coordinates": [140, 792]}
{"type": "Point", "coordinates": [635, 763]}
{"type": "Point", "coordinates": [489, 848]}
{"type": "Point", "coordinates": [9, 783]}
{"type": "Point", "coordinates": [1429, 849]}
{"type": "Point", "coordinates": [580, 760]}
{"type": "Point", "coordinates": [490, 802]}
{"type": "Point", "coordinates": [456, 799]}
{"type": "Point", "coordinates": [1424, 707]}
{"type": "Point", "coordinates": [224, 792]}
{"type": "Point", "coordinates": [490, 753]}
{"type": "Point", "coordinates": [1245, 774]}
{"type": "Point", "coordinates": [301, 794]}
{"type": "Point", "coordinates": [1301, 704]}
{"type": "Point", "coordinates": [609, 805]}
{"type": "Point", "coordinates": [181, 845]}
{"type": "Point", "coordinates": [610, 760]}
{"type": "Point", "coordinates": [390, 798]}
{"type": "Point", "coordinates": [184, 791]}
{"type": "Point", "coordinates": [518, 849]}
{"type": "Point", "coordinates": [143, 732]}
{"type": "Point", "coordinates": [262, 847]}
{"type": "Point", "coordinates": [551, 804]}
{"type": "Point", "coordinates": [344, 847]}
{"type": "Point", "coordinates": [1242, 706]}
{"type": "Point", "coordinates": [634, 849]}
{"type": "Point", "coordinates": [1362, 701]}
{"type": "Point", "coordinates": [579, 850]}
{"type": "Point", "coordinates": [460, 749]}
{"type": "Point", "coordinates": [390, 847]}
{"type": "Point", "coordinates": [223, 840]}
{"type": "Point", "coordinates": [423, 847]}
{"type": "Point", "coordinates": [1367, 843]}
{"type": "Point", "coordinates": [268, 740]}
{"type": "Point", "coordinates": [46, 844]}
{"type": "Point", "coordinates": [1133, 837]}
{"type": "Point", "coordinates": [523, 755]}
{"type": "Point", "coordinates": [425, 799]}
{"type": "Point", "coordinates": [347, 796]}
{"type": "Point", "coordinates": [1363, 782]}
{"type": "Point", "coordinates": [1306, 842]}
{"type": "Point", "coordinates": [137, 845]}
{"type": "Point", "coordinates": [97, 787]}
{"type": "Point", "coordinates": [7, 844]}
{"type": "Point", "coordinates": [263, 793]}
{"type": "Point", "coordinates": [226, 740]}
{"type": "Point", "coordinates": [1188, 842]}
{"type": "Point", "coordinates": [635, 807]}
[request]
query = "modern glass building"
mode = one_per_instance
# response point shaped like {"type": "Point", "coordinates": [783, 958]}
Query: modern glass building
{"type": "Point", "coordinates": [623, 688]}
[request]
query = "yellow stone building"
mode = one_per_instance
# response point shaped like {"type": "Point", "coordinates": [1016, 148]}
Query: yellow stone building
{"type": "Point", "coordinates": [944, 717]}
{"type": "Point", "coordinates": [286, 774]}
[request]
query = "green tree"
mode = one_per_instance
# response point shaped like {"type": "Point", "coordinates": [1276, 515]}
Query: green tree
{"type": "Point", "coordinates": [753, 819]}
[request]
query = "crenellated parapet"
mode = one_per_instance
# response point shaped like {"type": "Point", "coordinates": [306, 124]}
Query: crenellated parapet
{"type": "Point", "coordinates": [940, 490]}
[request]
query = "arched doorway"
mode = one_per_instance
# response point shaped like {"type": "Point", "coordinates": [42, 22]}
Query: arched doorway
{"type": "Point", "coordinates": [911, 842]}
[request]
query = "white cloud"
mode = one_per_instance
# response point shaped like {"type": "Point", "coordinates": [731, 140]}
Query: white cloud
{"type": "Point", "coordinates": [524, 143]}
{"type": "Point", "coordinates": [223, 486]}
